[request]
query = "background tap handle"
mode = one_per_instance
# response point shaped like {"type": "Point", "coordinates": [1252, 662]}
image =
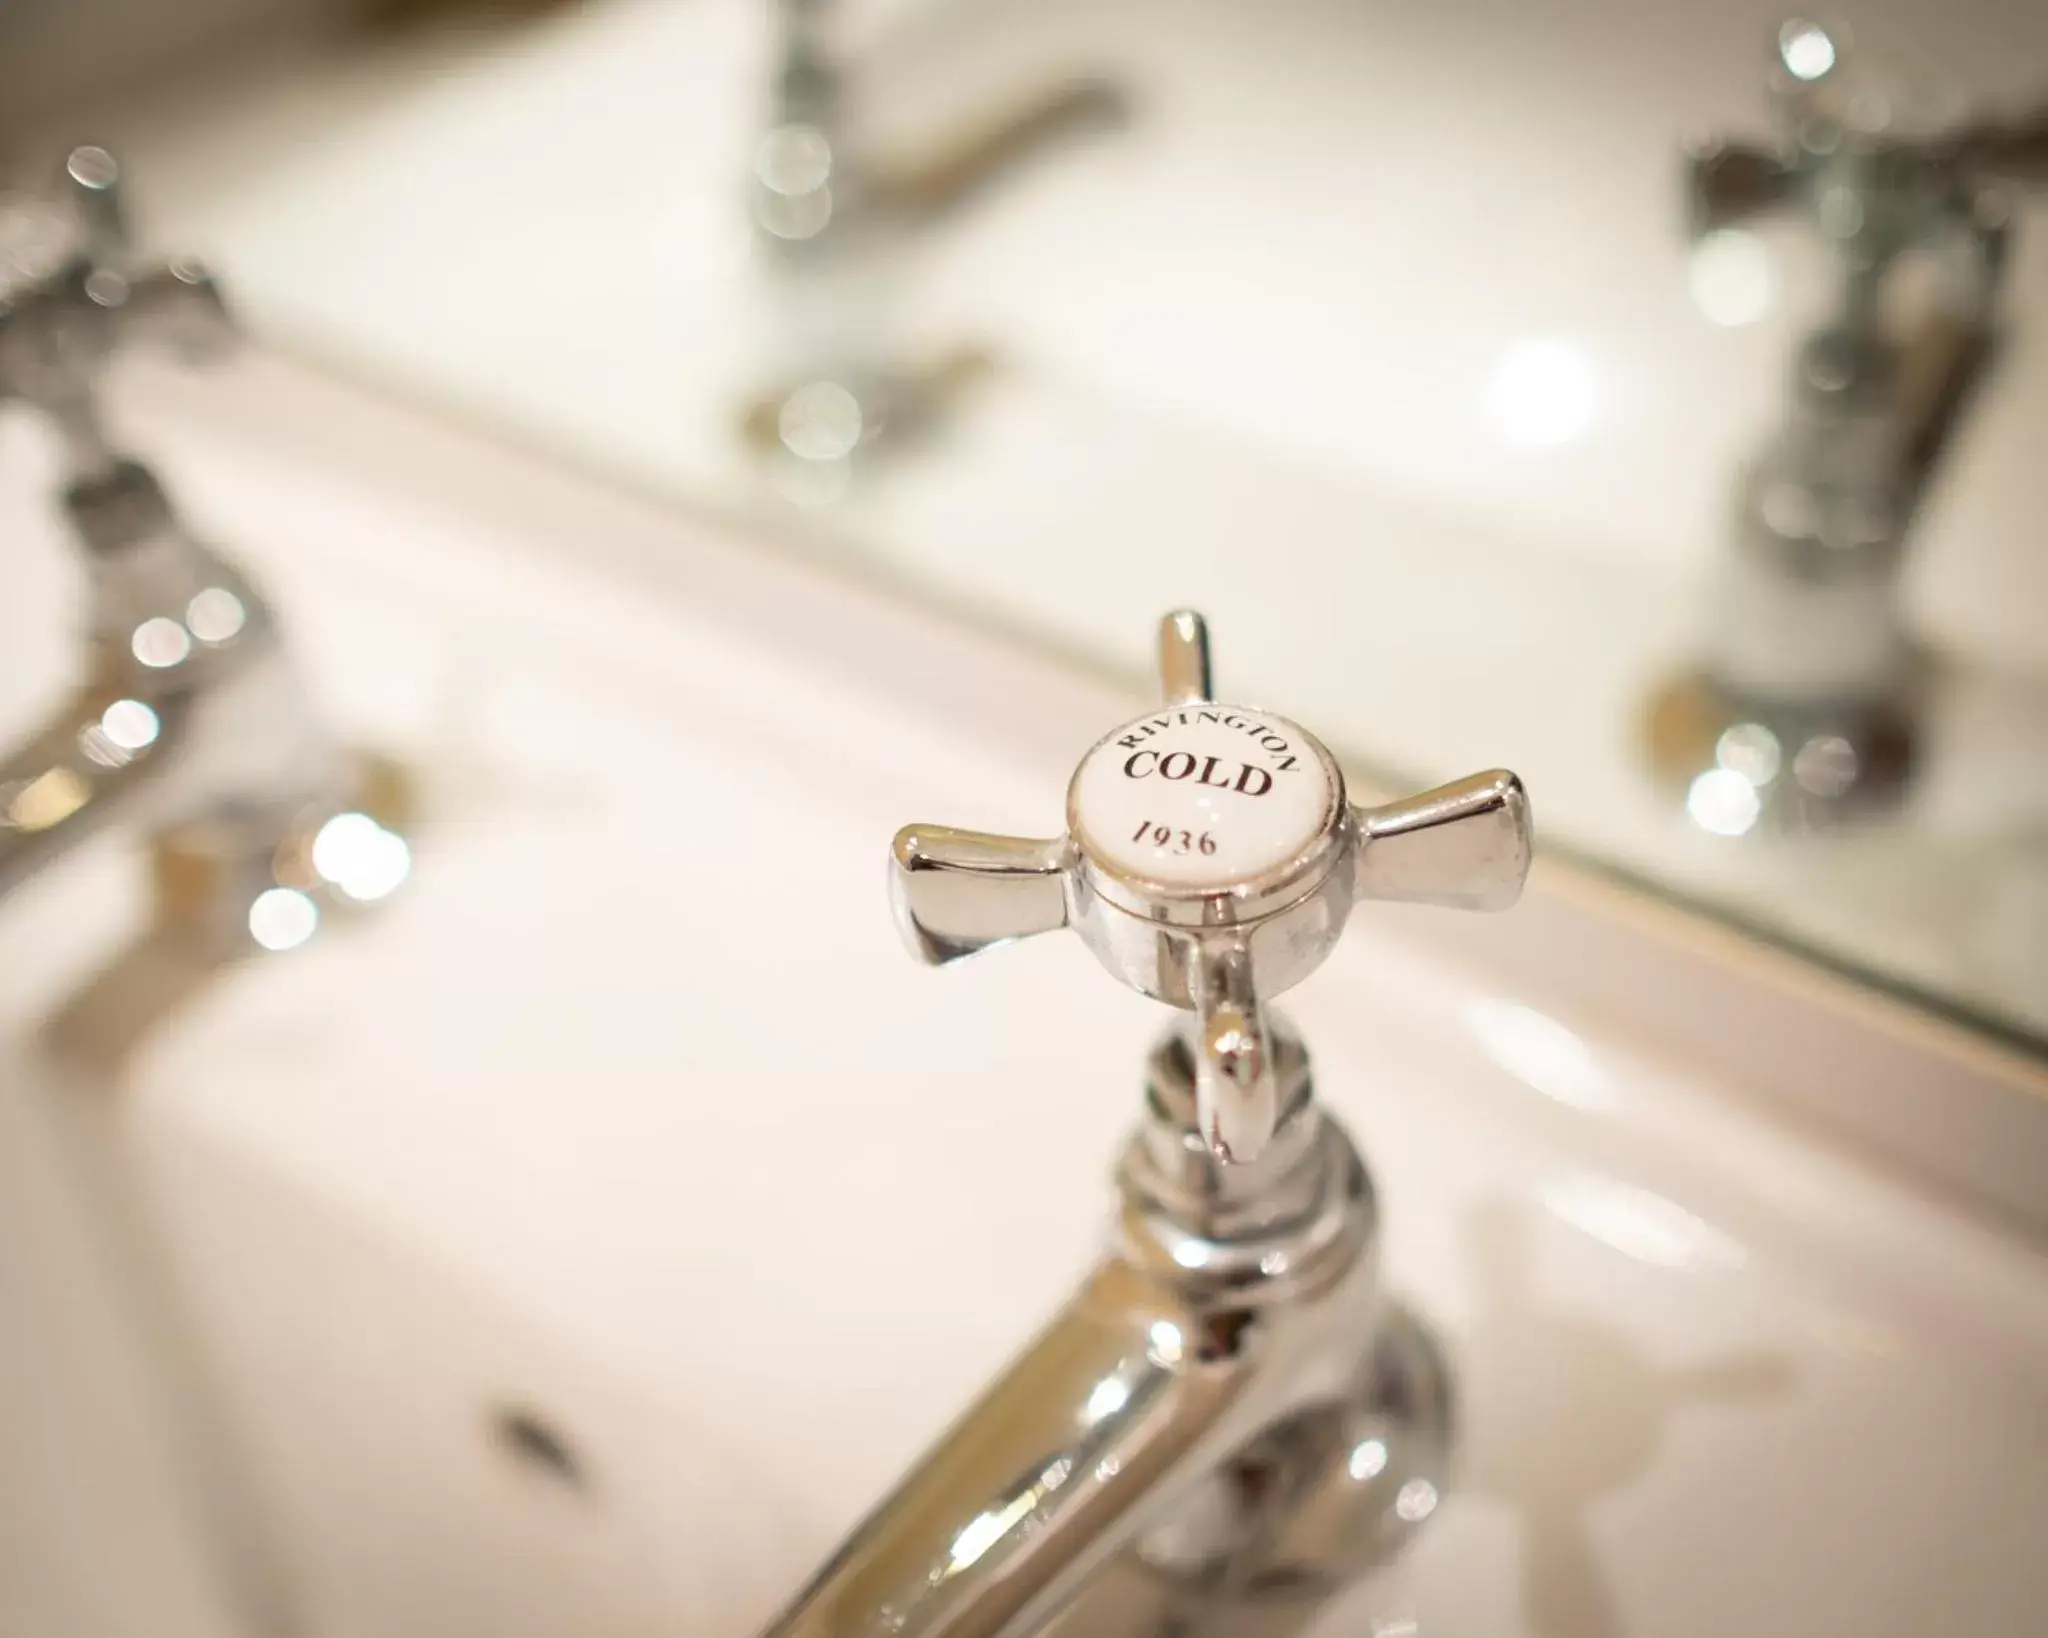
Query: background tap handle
{"type": "Point", "coordinates": [1729, 183]}
{"type": "Point", "coordinates": [1210, 861]}
{"type": "Point", "coordinates": [74, 313]}
{"type": "Point", "coordinates": [94, 176]}
{"type": "Point", "coordinates": [2013, 150]}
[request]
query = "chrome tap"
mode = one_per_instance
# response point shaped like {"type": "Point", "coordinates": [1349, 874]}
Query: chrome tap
{"type": "Point", "coordinates": [1807, 642]}
{"type": "Point", "coordinates": [189, 721]}
{"type": "Point", "coordinates": [830, 210]}
{"type": "Point", "coordinates": [813, 186]}
{"type": "Point", "coordinates": [1229, 1421]}
{"type": "Point", "coordinates": [190, 725]}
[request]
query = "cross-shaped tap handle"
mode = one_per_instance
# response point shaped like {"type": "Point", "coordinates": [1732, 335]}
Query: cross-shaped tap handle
{"type": "Point", "coordinates": [1210, 860]}
{"type": "Point", "coordinates": [62, 320]}
{"type": "Point", "coordinates": [1836, 148]}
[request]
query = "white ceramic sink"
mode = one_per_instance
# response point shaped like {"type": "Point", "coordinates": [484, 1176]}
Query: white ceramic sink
{"type": "Point", "coordinates": [630, 1116]}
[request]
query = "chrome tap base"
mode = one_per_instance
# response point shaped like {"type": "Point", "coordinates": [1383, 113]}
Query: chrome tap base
{"type": "Point", "coordinates": [1224, 1429]}
{"type": "Point", "coordinates": [1831, 764]}
{"type": "Point", "coordinates": [1302, 1515]}
{"type": "Point", "coordinates": [1807, 657]}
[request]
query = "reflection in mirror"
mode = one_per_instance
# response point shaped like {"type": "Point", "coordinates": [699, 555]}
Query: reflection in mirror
{"type": "Point", "coordinates": [1651, 403]}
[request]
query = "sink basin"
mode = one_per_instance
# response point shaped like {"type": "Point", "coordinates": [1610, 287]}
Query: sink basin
{"type": "Point", "coordinates": [554, 1242]}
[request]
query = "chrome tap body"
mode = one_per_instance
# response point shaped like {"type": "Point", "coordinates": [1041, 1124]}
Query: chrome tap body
{"type": "Point", "coordinates": [815, 187]}
{"type": "Point", "coordinates": [1182, 1434]}
{"type": "Point", "coordinates": [188, 705]}
{"type": "Point", "coordinates": [831, 214]}
{"type": "Point", "coordinates": [1228, 1422]}
{"type": "Point", "coordinates": [1809, 618]}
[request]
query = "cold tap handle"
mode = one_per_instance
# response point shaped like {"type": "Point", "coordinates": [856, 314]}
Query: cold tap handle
{"type": "Point", "coordinates": [1210, 861]}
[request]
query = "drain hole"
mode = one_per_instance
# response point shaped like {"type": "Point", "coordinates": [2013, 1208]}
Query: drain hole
{"type": "Point", "coordinates": [532, 1439]}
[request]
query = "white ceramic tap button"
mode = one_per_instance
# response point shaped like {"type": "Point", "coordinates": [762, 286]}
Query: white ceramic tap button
{"type": "Point", "coordinates": [1203, 796]}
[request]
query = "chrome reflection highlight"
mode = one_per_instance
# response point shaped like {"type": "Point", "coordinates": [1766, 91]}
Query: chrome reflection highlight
{"type": "Point", "coordinates": [986, 1530]}
{"type": "Point", "coordinates": [161, 642]}
{"type": "Point", "coordinates": [130, 725]}
{"type": "Point", "coordinates": [1543, 1054]}
{"type": "Point", "coordinates": [93, 168]}
{"type": "Point", "coordinates": [283, 918]}
{"type": "Point", "coordinates": [820, 421]}
{"type": "Point", "coordinates": [360, 858]}
{"type": "Point", "coordinates": [1111, 1394]}
{"type": "Point", "coordinates": [1751, 750]}
{"type": "Point", "coordinates": [1806, 49]}
{"type": "Point", "coordinates": [1826, 766]}
{"type": "Point", "coordinates": [125, 728]}
{"type": "Point", "coordinates": [215, 615]}
{"type": "Point", "coordinates": [1541, 393]}
{"type": "Point", "coordinates": [1416, 1501]}
{"type": "Point", "coordinates": [1368, 1459]}
{"type": "Point", "coordinates": [1723, 803]}
{"type": "Point", "coordinates": [794, 159]}
{"type": "Point", "coordinates": [793, 166]}
{"type": "Point", "coordinates": [1164, 1343]}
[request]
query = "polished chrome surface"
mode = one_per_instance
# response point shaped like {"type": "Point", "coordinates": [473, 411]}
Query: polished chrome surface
{"type": "Point", "coordinates": [1809, 642]}
{"type": "Point", "coordinates": [816, 185]}
{"type": "Point", "coordinates": [828, 207]}
{"type": "Point", "coordinates": [1184, 670]}
{"type": "Point", "coordinates": [189, 717]}
{"type": "Point", "coordinates": [959, 891]}
{"type": "Point", "coordinates": [1208, 906]}
{"type": "Point", "coordinates": [68, 301]}
{"type": "Point", "coordinates": [1215, 1434]}
{"type": "Point", "coordinates": [1465, 845]}
{"type": "Point", "coordinates": [189, 726]}
{"type": "Point", "coordinates": [1226, 1423]}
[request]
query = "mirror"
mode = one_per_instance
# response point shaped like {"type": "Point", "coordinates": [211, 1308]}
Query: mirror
{"type": "Point", "coordinates": [1650, 399]}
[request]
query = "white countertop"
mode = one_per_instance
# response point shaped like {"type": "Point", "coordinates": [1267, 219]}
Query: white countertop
{"type": "Point", "coordinates": [629, 1111]}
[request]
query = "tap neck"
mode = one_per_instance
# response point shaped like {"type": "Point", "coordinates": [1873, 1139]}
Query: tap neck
{"type": "Point", "coordinates": [1257, 1230]}
{"type": "Point", "coordinates": [142, 565]}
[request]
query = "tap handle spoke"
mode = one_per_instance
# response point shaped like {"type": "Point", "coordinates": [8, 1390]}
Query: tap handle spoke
{"type": "Point", "coordinates": [958, 892]}
{"type": "Point", "coordinates": [1210, 861]}
{"type": "Point", "coordinates": [85, 298]}
{"type": "Point", "coordinates": [1844, 156]}
{"type": "Point", "coordinates": [1464, 846]}
{"type": "Point", "coordinates": [1184, 675]}
{"type": "Point", "coordinates": [1730, 183]}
